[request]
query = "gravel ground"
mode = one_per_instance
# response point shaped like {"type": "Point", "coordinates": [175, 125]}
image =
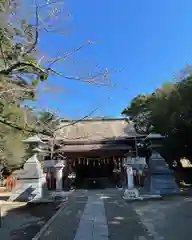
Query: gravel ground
{"type": "Point", "coordinates": [23, 222]}
{"type": "Point", "coordinates": [166, 219]}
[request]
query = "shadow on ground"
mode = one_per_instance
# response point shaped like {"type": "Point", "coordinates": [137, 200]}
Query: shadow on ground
{"type": "Point", "coordinates": [23, 222]}
{"type": "Point", "coordinates": [4, 198]}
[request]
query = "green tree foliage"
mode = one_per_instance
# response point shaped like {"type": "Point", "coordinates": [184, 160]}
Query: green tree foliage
{"type": "Point", "coordinates": [168, 111]}
{"type": "Point", "coordinates": [19, 71]}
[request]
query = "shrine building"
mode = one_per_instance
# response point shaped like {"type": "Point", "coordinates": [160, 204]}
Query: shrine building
{"type": "Point", "coordinates": [95, 148]}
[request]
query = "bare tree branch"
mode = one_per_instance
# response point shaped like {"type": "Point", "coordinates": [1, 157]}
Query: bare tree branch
{"type": "Point", "coordinates": [67, 55]}
{"type": "Point", "coordinates": [47, 4]}
{"type": "Point", "coordinates": [91, 80]}
{"type": "Point", "coordinates": [22, 65]}
{"type": "Point", "coordinates": [19, 66]}
{"type": "Point", "coordinates": [36, 31]}
{"type": "Point", "coordinates": [50, 132]}
{"type": "Point", "coordinates": [74, 122]}
{"type": "Point", "coordinates": [15, 126]}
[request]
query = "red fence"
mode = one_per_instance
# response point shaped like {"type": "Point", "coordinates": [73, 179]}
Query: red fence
{"type": "Point", "coordinates": [11, 182]}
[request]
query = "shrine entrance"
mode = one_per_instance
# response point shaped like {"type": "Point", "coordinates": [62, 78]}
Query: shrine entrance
{"type": "Point", "coordinates": [94, 173]}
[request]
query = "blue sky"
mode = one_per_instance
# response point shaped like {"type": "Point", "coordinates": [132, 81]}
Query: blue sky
{"type": "Point", "coordinates": [149, 41]}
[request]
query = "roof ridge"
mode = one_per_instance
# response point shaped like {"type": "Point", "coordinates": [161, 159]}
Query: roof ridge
{"type": "Point", "coordinates": [95, 119]}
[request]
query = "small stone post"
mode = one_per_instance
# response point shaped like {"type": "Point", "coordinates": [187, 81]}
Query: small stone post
{"type": "Point", "coordinates": [130, 179]}
{"type": "Point", "coordinates": [59, 194]}
{"type": "Point", "coordinates": [59, 175]}
{"type": "Point", "coordinates": [131, 192]}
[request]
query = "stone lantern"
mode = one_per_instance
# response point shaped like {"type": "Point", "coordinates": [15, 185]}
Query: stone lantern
{"type": "Point", "coordinates": [161, 178]}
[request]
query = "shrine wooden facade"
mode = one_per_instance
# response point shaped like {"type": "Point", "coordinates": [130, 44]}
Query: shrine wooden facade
{"type": "Point", "coordinates": [95, 147]}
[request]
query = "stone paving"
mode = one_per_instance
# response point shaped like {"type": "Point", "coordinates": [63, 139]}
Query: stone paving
{"type": "Point", "coordinates": [123, 222]}
{"type": "Point", "coordinates": [104, 215]}
{"type": "Point", "coordinates": [66, 224]}
{"type": "Point", "coordinates": [93, 223]}
{"type": "Point", "coordinates": [97, 215]}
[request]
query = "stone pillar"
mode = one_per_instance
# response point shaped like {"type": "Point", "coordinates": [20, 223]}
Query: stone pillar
{"type": "Point", "coordinates": [59, 175]}
{"type": "Point", "coordinates": [130, 179]}
{"type": "Point", "coordinates": [131, 192]}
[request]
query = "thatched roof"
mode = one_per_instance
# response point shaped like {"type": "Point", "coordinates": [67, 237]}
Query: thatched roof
{"type": "Point", "coordinates": [93, 135]}
{"type": "Point", "coordinates": [97, 130]}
